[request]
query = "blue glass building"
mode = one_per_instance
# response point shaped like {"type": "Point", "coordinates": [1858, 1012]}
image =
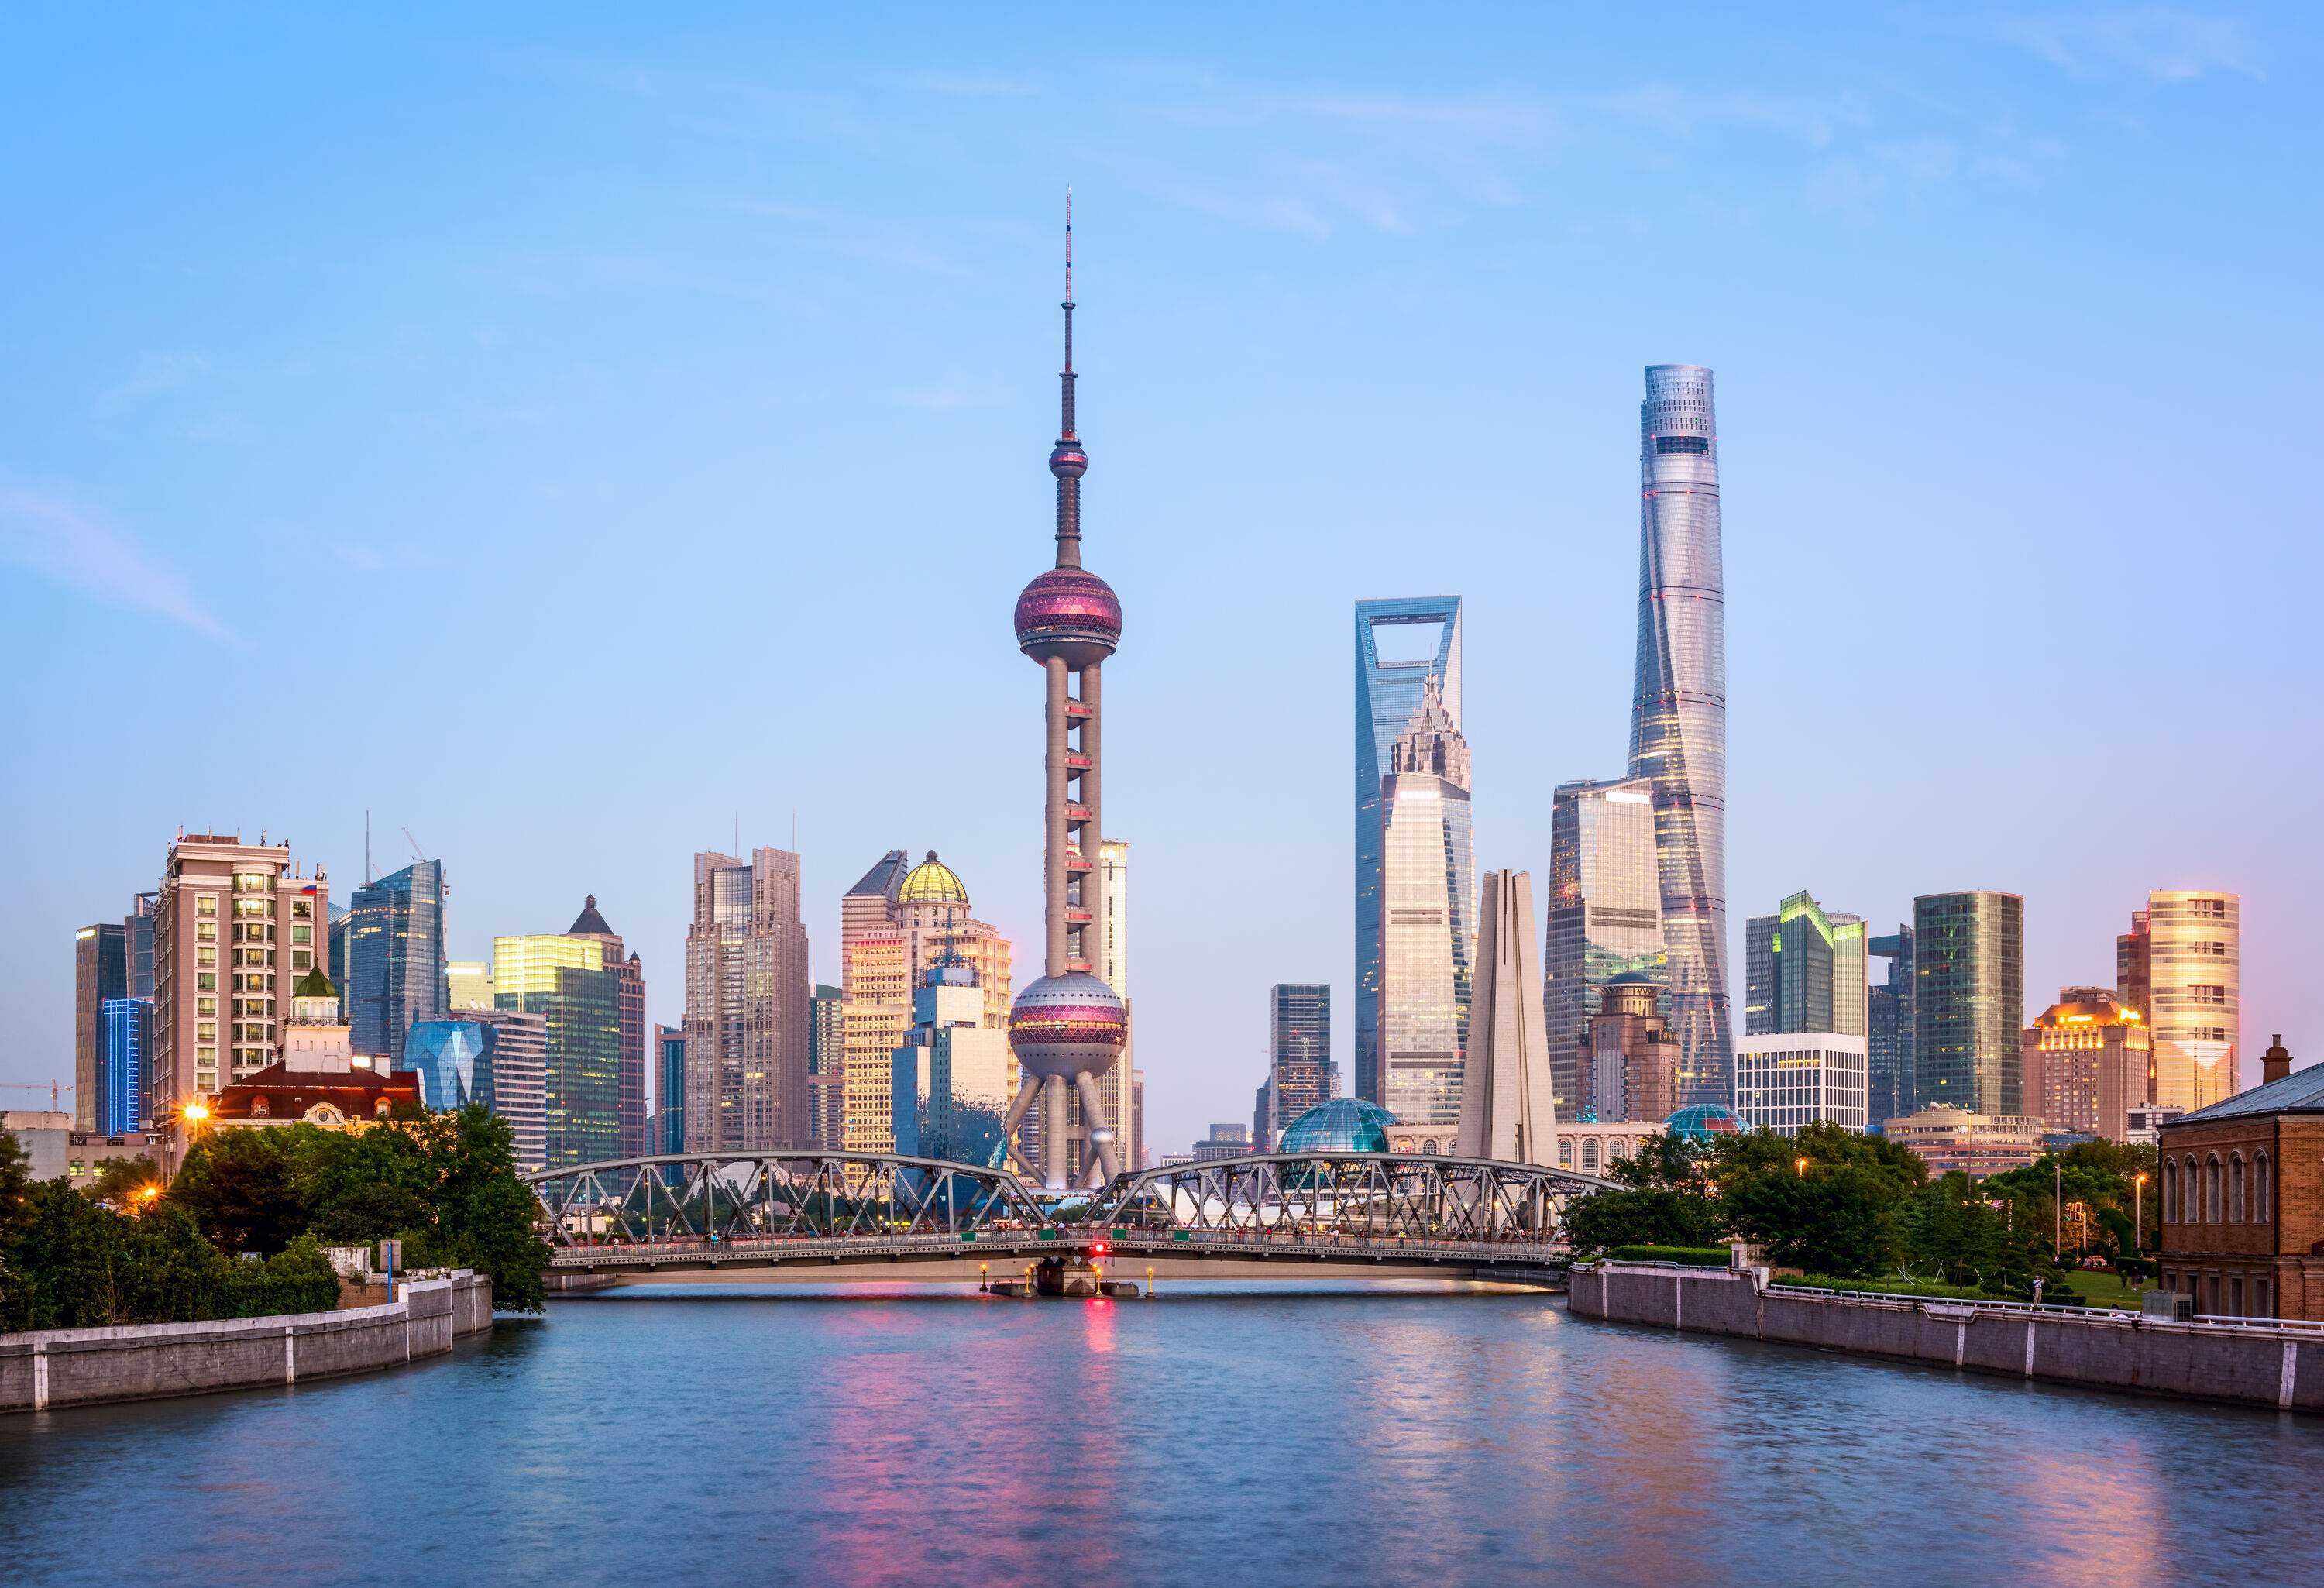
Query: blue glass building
{"type": "Point", "coordinates": [671, 1128]}
{"type": "Point", "coordinates": [124, 1034]}
{"type": "Point", "coordinates": [1400, 644]}
{"type": "Point", "coordinates": [394, 957]}
{"type": "Point", "coordinates": [454, 1062]}
{"type": "Point", "coordinates": [1344, 1124]}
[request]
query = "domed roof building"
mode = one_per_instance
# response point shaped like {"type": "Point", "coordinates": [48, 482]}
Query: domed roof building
{"type": "Point", "coordinates": [1703, 1120]}
{"type": "Point", "coordinates": [933, 882]}
{"type": "Point", "coordinates": [1344, 1124]}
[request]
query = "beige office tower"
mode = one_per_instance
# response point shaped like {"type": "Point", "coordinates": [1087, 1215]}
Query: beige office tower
{"type": "Point", "coordinates": [237, 926]}
{"type": "Point", "coordinates": [895, 926]}
{"type": "Point", "coordinates": [1428, 929]}
{"type": "Point", "coordinates": [1508, 1108]}
{"type": "Point", "coordinates": [1111, 967]}
{"type": "Point", "coordinates": [746, 1005]}
{"type": "Point", "coordinates": [2195, 1014]}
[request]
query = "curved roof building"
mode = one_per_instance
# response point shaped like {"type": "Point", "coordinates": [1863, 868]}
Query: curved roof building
{"type": "Point", "coordinates": [1344, 1124]}
{"type": "Point", "coordinates": [933, 882]}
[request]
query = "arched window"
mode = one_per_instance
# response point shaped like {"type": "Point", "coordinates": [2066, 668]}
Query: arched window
{"type": "Point", "coordinates": [2235, 1188]}
{"type": "Point", "coordinates": [1566, 1152]}
{"type": "Point", "coordinates": [1617, 1148]}
{"type": "Point", "coordinates": [1589, 1154]}
{"type": "Point", "coordinates": [2194, 1178]}
{"type": "Point", "coordinates": [2259, 1188]}
{"type": "Point", "coordinates": [1429, 1146]}
{"type": "Point", "coordinates": [258, 1109]}
{"type": "Point", "coordinates": [2211, 1209]}
{"type": "Point", "coordinates": [2170, 1190]}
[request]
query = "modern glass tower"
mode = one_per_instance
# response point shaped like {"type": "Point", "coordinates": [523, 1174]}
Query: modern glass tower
{"type": "Point", "coordinates": [1400, 644]}
{"type": "Point", "coordinates": [2195, 1017]}
{"type": "Point", "coordinates": [567, 981]}
{"type": "Point", "coordinates": [1299, 1052]}
{"type": "Point", "coordinates": [395, 957]}
{"type": "Point", "coordinates": [1428, 923]}
{"type": "Point", "coordinates": [1889, 1030]}
{"type": "Point", "coordinates": [1605, 913]}
{"type": "Point", "coordinates": [1803, 971]}
{"type": "Point", "coordinates": [1968, 1000]}
{"type": "Point", "coordinates": [1678, 711]}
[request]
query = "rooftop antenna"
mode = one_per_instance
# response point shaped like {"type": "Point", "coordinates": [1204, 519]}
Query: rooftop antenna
{"type": "Point", "coordinates": [738, 831]}
{"type": "Point", "coordinates": [370, 876]}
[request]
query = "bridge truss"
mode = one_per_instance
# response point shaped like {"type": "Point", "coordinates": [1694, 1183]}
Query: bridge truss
{"type": "Point", "coordinates": [1362, 1196]}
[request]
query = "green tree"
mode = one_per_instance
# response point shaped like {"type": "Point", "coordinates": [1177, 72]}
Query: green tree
{"type": "Point", "coordinates": [1838, 1221]}
{"type": "Point", "coordinates": [118, 1180]}
{"type": "Point", "coordinates": [1647, 1215]}
{"type": "Point", "coordinates": [247, 1189]}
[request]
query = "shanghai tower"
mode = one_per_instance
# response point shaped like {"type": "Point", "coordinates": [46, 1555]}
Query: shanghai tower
{"type": "Point", "coordinates": [1678, 711]}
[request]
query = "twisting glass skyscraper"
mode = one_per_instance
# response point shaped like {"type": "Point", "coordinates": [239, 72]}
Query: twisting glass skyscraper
{"type": "Point", "coordinates": [1678, 711]}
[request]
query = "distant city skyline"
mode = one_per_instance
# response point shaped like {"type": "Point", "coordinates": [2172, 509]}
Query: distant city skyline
{"type": "Point", "coordinates": [1374, 318]}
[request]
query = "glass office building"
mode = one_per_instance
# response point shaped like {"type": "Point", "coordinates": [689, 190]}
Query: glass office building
{"type": "Point", "coordinates": [566, 981]}
{"type": "Point", "coordinates": [669, 1129]}
{"type": "Point", "coordinates": [454, 1060]}
{"type": "Point", "coordinates": [1888, 1031]}
{"type": "Point", "coordinates": [1605, 913]}
{"type": "Point", "coordinates": [1300, 1073]}
{"type": "Point", "coordinates": [1428, 920]}
{"type": "Point", "coordinates": [394, 954]}
{"type": "Point", "coordinates": [1968, 1000]}
{"type": "Point", "coordinates": [2194, 1011]}
{"type": "Point", "coordinates": [1804, 970]}
{"type": "Point", "coordinates": [1678, 713]}
{"type": "Point", "coordinates": [1400, 645]}
{"type": "Point", "coordinates": [125, 1039]}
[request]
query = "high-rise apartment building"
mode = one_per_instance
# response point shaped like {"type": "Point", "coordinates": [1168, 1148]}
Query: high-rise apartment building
{"type": "Point", "coordinates": [747, 1005]}
{"type": "Point", "coordinates": [1804, 970]}
{"type": "Point", "coordinates": [1786, 1079]}
{"type": "Point", "coordinates": [1300, 1073]}
{"type": "Point", "coordinates": [1627, 1064]}
{"type": "Point", "coordinates": [826, 1065]}
{"type": "Point", "coordinates": [1605, 910]}
{"type": "Point", "coordinates": [567, 981]}
{"type": "Point", "coordinates": [2088, 1064]}
{"type": "Point", "coordinates": [1507, 1109]}
{"type": "Point", "coordinates": [1401, 644]}
{"type": "Point", "coordinates": [1428, 919]}
{"type": "Point", "coordinates": [1678, 721]}
{"type": "Point", "coordinates": [1889, 1030]}
{"type": "Point", "coordinates": [100, 972]}
{"type": "Point", "coordinates": [235, 928]}
{"type": "Point", "coordinates": [2195, 999]}
{"type": "Point", "coordinates": [1969, 1002]}
{"type": "Point", "coordinates": [636, 1124]}
{"type": "Point", "coordinates": [394, 972]}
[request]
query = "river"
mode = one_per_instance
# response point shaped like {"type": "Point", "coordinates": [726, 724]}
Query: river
{"type": "Point", "coordinates": [1204, 1437]}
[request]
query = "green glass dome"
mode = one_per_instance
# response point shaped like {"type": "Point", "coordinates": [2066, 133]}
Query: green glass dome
{"type": "Point", "coordinates": [1344, 1124]}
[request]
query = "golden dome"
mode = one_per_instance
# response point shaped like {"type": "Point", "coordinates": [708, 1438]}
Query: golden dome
{"type": "Point", "coordinates": [932, 883]}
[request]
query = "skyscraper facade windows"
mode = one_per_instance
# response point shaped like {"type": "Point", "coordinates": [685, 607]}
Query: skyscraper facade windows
{"type": "Point", "coordinates": [1401, 644]}
{"type": "Point", "coordinates": [1605, 912]}
{"type": "Point", "coordinates": [1428, 922]}
{"type": "Point", "coordinates": [1804, 970]}
{"type": "Point", "coordinates": [124, 1037]}
{"type": "Point", "coordinates": [1785, 1080]}
{"type": "Point", "coordinates": [1678, 721]}
{"type": "Point", "coordinates": [394, 972]}
{"type": "Point", "coordinates": [1968, 953]}
{"type": "Point", "coordinates": [1889, 1090]}
{"type": "Point", "coordinates": [100, 973]}
{"type": "Point", "coordinates": [564, 981]}
{"type": "Point", "coordinates": [2195, 1014]}
{"type": "Point", "coordinates": [1299, 1052]}
{"type": "Point", "coordinates": [747, 1005]}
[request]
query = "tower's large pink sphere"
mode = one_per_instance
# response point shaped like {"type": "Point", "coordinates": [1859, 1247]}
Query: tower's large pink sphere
{"type": "Point", "coordinates": [1069, 613]}
{"type": "Point", "coordinates": [1069, 1025]}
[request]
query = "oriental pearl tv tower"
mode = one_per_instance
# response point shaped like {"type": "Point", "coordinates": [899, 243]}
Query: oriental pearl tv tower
{"type": "Point", "coordinates": [1068, 1028]}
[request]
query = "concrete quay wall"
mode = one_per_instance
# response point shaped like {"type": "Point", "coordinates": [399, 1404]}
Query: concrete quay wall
{"type": "Point", "coordinates": [2247, 1366]}
{"type": "Point", "coordinates": [84, 1367]}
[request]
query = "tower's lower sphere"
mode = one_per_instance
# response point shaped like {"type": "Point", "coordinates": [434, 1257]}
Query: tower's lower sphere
{"type": "Point", "coordinates": [1071, 612]}
{"type": "Point", "coordinates": [1069, 1025]}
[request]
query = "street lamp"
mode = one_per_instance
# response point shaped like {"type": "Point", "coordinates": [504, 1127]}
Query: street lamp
{"type": "Point", "coordinates": [2138, 1217]}
{"type": "Point", "coordinates": [1800, 1167]}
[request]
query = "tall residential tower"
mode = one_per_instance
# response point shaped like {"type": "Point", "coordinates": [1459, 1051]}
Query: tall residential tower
{"type": "Point", "coordinates": [1678, 710]}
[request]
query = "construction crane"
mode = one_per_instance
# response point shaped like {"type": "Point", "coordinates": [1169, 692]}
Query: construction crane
{"type": "Point", "coordinates": [417, 852]}
{"type": "Point", "coordinates": [54, 1089]}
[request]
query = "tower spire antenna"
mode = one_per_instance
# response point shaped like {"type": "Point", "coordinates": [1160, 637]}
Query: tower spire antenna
{"type": "Point", "coordinates": [1068, 461]}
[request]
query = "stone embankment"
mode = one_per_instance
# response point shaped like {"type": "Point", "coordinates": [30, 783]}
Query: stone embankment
{"type": "Point", "coordinates": [2247, 1364]}
{"type": "Point", "coordinates": [82, 1367]}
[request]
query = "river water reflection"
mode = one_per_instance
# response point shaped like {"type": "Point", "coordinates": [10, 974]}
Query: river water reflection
{"type": "Point", "coordinates": [1252, 1437]}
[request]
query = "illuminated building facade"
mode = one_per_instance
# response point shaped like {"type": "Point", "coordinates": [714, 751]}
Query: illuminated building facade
{"type": "Point", "coordinates": [746, 1005]}
{"type": "Point", "coordinates": [635, 1125]}
{"type": "Point", "coordinates": [1787, 1079]}
{"type": "Point", "coordinates": [1969, 1002]}
{"type": "Point", "coordinates": [1678, 720]}
{"type": "Point", "coordinates": [100, 973]}
{"type": "Point", "coordinates": [1888, 1029]}
{"type": "Point", "coordinates": [2195, 1014]}
{"type": "Point", "coordinates": [1401, 645]}
{"type": "Point", "coordinates": [1804, 970]}
{"type": "Point", "coordinates": [124, 1037]}
{"type": "Point", "coordinates": [1428, 922]}
{"type": "Point", "coordinates": [567, 983]}
{"type": "Point", "coordinates": [1605, 910]}
{"type": "Point", "coordinates": [2088, 1064]}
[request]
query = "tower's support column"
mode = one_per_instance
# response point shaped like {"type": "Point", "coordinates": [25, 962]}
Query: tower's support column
{"type": "Point", "coordinates": [1056, 1157]}
{"type": "Point", "coordinates": [1053, 837]}
{"type": "Point", "coordinates": [1092, 791]}
{"type": "Point", "coordinates": [1093, 1117]}
{"type": "Point", "coordinates": [1016, 1117]}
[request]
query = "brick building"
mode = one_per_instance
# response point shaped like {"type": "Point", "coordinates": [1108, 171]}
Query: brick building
{"type": "Point", "coordinates": [2242, 1198]}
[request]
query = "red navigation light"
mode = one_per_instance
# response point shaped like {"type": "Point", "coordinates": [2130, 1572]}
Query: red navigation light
{"type": "Point", "coordinates": [1100, 1248]}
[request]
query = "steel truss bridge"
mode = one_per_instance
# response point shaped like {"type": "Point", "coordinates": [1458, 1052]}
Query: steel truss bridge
{"type": "Point", "coordinates": [821, 1217]}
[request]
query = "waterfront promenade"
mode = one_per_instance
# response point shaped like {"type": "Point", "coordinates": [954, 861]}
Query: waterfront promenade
{"type": "Point", "coordinates": [1392, 1435]}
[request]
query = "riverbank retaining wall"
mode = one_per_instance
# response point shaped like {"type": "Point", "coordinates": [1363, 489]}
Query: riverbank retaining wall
{"type": "Point", "coordinates": [140, 1362]}
{"type": "Point", "coordinates": [2251, 1365]}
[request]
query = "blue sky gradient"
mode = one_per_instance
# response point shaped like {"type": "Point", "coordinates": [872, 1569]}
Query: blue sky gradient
{"type": "Point", "coordinates": [566, 433]}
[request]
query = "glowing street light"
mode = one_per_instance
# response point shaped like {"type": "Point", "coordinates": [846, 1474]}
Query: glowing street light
{"type": "Point", "coordinates": [1800, 1166]}
{"type": "Point", "coordinates": [2138, 1215]}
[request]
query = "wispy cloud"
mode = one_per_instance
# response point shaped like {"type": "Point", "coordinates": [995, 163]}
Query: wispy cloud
{"type": "Point", "coordinates": [77, 548]}
{"type": "Point", "coordinates": [2166, 42]}
{"type": "Point", "coordinates": [962, 84]}
{"type": "Point", "coordinates": [155, 375]}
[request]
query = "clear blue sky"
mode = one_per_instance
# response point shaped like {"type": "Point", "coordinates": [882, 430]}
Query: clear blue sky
{"type": "Point", "coordinates": [560, 433]}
